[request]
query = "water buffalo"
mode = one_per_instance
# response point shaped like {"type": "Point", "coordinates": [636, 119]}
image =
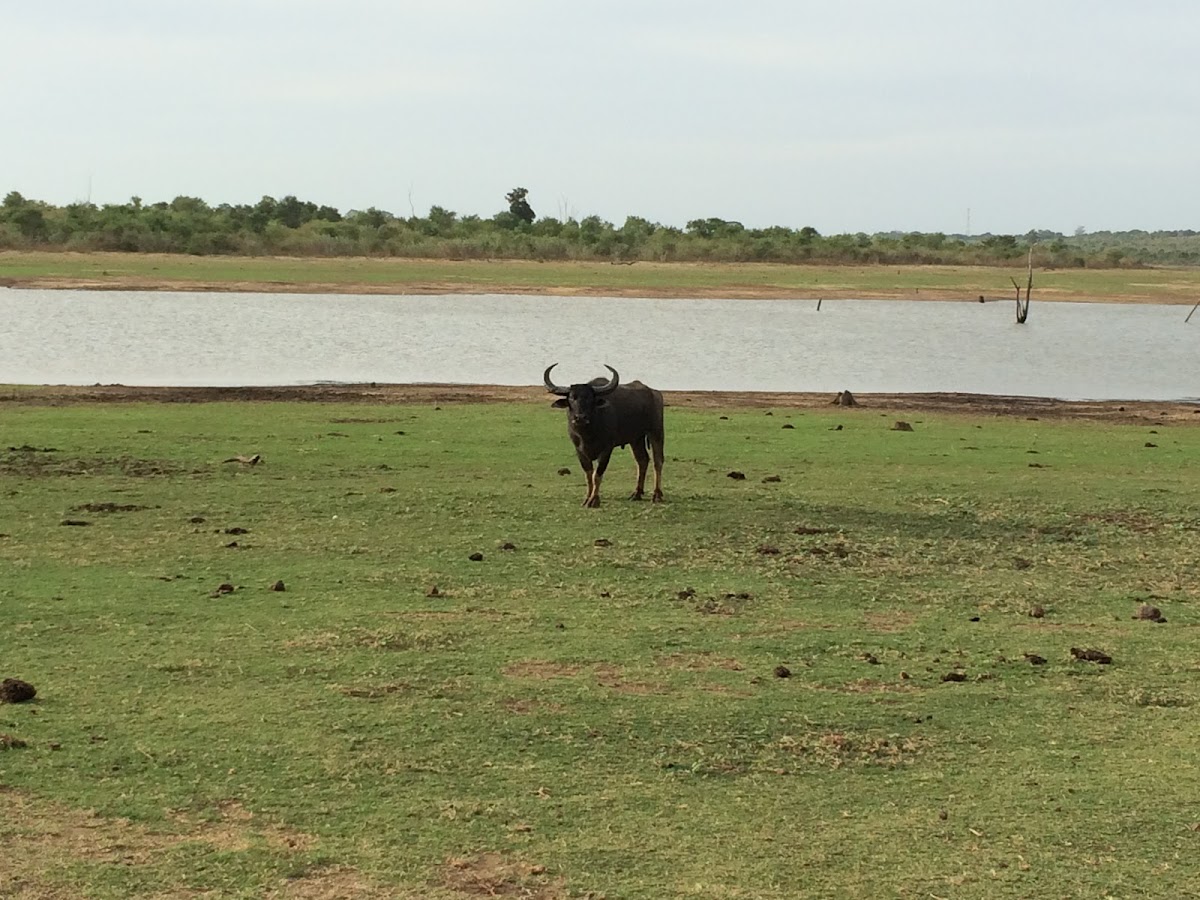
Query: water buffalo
{"type": "Point", "coordinates": [604, 414]}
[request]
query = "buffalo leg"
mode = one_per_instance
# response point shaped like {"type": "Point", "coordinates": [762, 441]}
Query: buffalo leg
{"type": "Point", "coordinates": [643, 463]}
{"type": "Point", "coordinates": [656, 445]}
{"type": "Point", "coordinates": [601, 464]}
{"type": "Point", "coordinates": [586, 464]}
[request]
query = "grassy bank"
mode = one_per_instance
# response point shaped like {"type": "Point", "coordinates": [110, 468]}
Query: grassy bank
{"type": "Point", "coordinates": [599, 707]}
{"type": "Point", "coordinates": [390, 275]}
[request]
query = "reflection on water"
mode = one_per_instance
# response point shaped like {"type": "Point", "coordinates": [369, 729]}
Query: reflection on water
{"type": "Point", "coordinates": [1068, 350]}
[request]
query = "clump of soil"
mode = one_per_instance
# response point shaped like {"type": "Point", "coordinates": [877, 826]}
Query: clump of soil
{"type": "Point", "coordinates": [1091, 655]}
{"type": "Point", "coordinates": [844, 398]}
{"type": "Point", "coordinates": [730, 604]}
{"type": "Point", "coordinates": [789, 427]}
{"type": "Point", "coordinates": [564, 471]}
{"type": "Point", "coordinates": [806, 529]}
{"type": "Point", "coordinates": [14, 690]}
{"type": "Point", "coordinates": [954, 676]}
{"type": "Point", "coordinates": [80, 523]}
{"type": "Point", "coordinates": [1149, 613]}
{"type": "Point", "coordinates": [602, 542]}
{"type": "Point", "coordinates": [1035, 660]}
{"type": "Point", "coordinates": [107, 507]}
{"type": "Point", "coordinates": [9, 742]}
{"type": "Point", "coordinates": [222, 589]}
{"type": "Point", "coordinates": [279, 586]}
{"type": "Point", "coordinates": [767, 550]}
{"type": "Point", "coordinates": [237, 530]}
{"type": "Point", "coordinates": [772, 479]}
{"type": "Point", "coordinates": [736, 475]}
{"type": "Point", "coordinates": [783, 672]}
{"type": "Point", "coordinates": [508, 545]}
{"type": "Point", "coordinates": [901, 426]}
{"type": "Point", "coordinates": [1037, 612]}
{"type": "Point", "coordinates": [434, 592]}
{"type": "Point", "coordinates": [476, 557]}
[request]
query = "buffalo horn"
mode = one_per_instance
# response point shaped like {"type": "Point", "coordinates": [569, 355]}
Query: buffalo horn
{"type": "Point", "coordinates": [550, 385]}
{"type": "Point", "coordinates": [612, 382]}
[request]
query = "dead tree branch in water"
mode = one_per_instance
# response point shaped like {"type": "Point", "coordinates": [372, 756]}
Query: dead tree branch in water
{"type": "Point", "coordinates": [1023, 308]}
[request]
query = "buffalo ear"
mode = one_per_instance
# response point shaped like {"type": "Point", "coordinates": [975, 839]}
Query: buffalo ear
{"type": "Point", "coordinates": [560, 403]}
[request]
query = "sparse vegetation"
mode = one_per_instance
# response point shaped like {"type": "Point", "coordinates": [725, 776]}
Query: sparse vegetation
{"type": "Point", "coordinates": [294, 227]}
{"type": "Point", "coordinates": [290, 680]}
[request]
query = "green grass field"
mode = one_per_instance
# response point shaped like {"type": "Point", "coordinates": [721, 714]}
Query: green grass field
{"type": "Point", "coordinates": [597, 711]}
{"type": "Point", "coordinates": [1161, 285]}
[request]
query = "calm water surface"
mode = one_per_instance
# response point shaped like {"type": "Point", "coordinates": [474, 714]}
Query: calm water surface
{"type": "Point", "coordinates": [1068, 350]}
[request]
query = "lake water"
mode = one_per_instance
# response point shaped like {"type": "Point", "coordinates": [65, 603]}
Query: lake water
{"type": "Point", "coordinates": [1066, 350]}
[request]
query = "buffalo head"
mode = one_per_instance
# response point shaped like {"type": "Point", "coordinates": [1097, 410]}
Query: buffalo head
{"type": "Point", "coordinates": [582, 400]}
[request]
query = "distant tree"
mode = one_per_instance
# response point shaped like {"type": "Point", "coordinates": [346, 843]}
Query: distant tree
{"type": "Point", "coordinates": [293, 212]}
{"type": "Point", "coordinates": [441, 221]}
{"type": "Point", "coordinates": [519, 206]}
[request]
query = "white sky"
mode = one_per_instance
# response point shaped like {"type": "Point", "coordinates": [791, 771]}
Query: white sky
{"type": "Point", "coordinates": [847, 116]}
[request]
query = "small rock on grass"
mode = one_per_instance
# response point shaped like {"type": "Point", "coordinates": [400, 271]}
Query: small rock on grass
{"type": "Point", "coordinates": [1037, 612]}
{"type": "Point", "coordinates": [279, 586]}
{"type": "Point", "coordinates": [901, 426]}
{"type": "Point", "coordinates": [476, 557]}
{"type": "Point", "coordinates": [783, 672]}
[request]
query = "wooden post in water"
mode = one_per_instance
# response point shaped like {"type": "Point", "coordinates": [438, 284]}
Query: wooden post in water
{"type": "Point", "coordinates": [1189, 315]}
{"type": "Point", "coordinates": [819, 299]}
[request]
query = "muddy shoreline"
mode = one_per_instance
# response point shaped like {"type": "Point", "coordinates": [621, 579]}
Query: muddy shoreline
{"type": "Point", "coordinates": [658, 292]}
{"type": "Point", "coordinates": [1129, 412]}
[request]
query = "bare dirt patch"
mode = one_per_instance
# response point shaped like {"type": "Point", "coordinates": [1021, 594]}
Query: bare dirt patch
{"type": "Point", "coordinates": [332, 883]}
{"type": "Point", "coordinates": [35, 465]}
{"type": "Point", "coordinates": [497, 875]}
{"type": "Point", "coordinates": [699, 662]}
{"type": "Point", "coordinates": [889, 622]}
{"type": "Point", "coordinates": [613, 678]}
{"type": "Point", "coordinates": [433, 394]}
{"type": "Point", "coordinates": [838, 748]}
{"type": "Point", "coordinates": [41, 837]}
{"type": "Point", "coordinates": [542, 669]}
{"type": "Point", "coordinates": [376, 691]}
{"type": "Point", "coordinates": [107, 507]}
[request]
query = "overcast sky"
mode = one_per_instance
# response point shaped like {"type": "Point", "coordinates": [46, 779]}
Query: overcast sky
{"type": "Point", "coordinates": [847, 116]}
